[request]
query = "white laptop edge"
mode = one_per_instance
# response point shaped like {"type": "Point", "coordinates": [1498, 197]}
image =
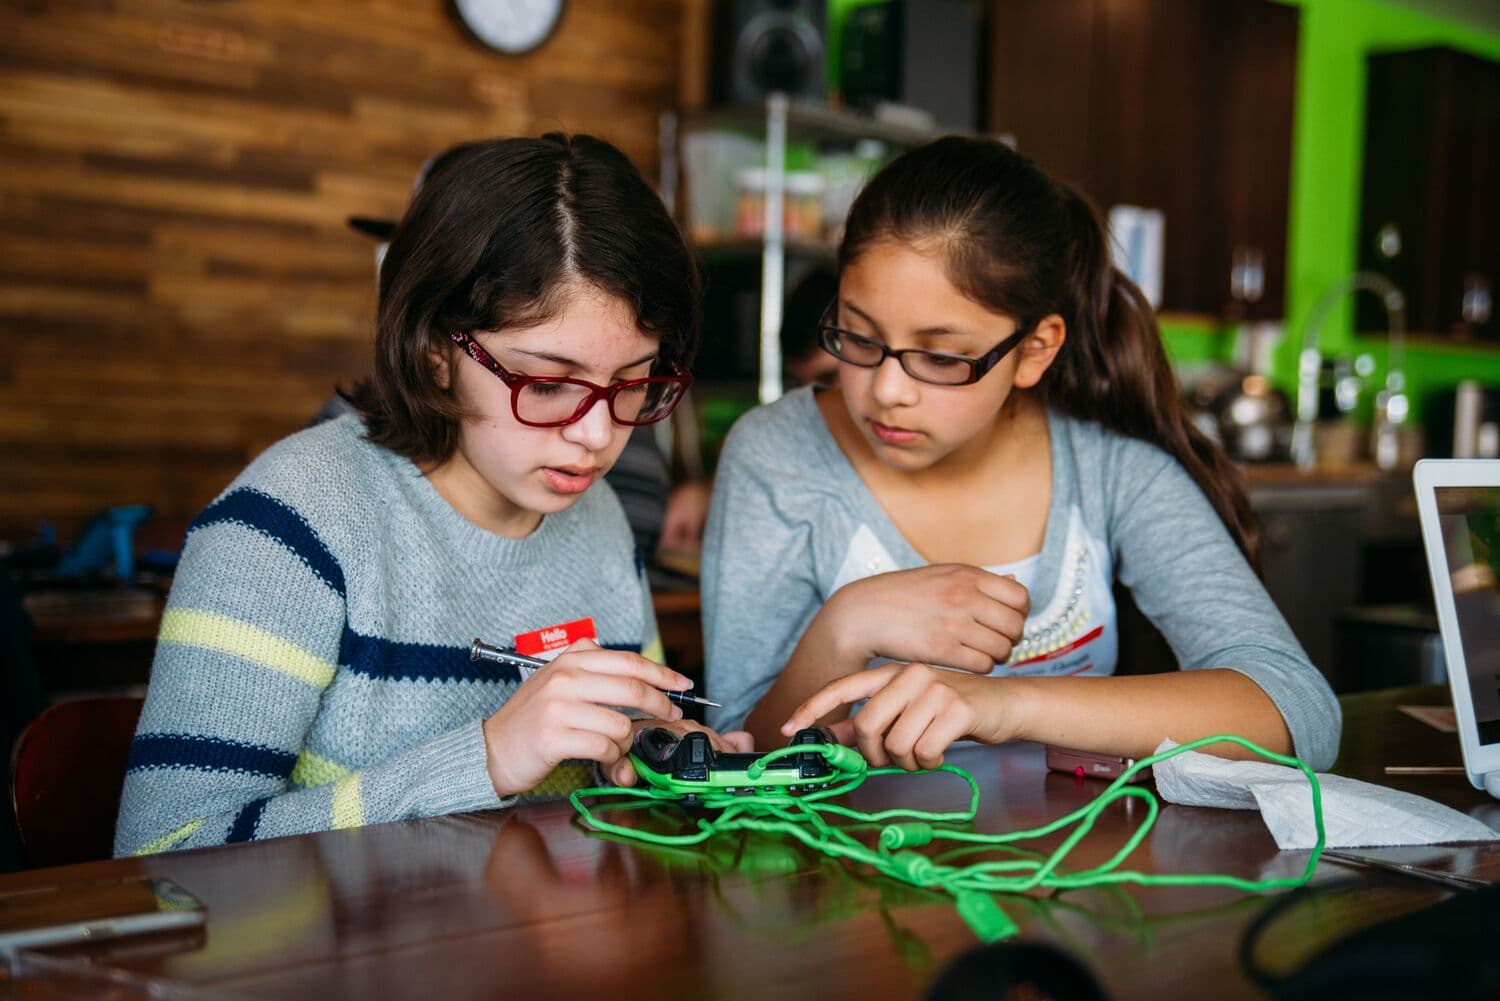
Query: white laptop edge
{"type": "Point", "coordinates": [1480, 761]}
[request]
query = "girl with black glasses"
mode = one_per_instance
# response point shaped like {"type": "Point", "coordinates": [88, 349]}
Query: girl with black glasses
{"type": "Point", "coordinates": [935, 540]}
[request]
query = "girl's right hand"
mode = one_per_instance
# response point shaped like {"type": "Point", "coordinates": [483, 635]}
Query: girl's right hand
{"type": "Point", "coordinates": [914, 712]}
{"type": "Point", "coordinates": [948, 613]}
{"type": "Point", "coordinates": [569, 710]}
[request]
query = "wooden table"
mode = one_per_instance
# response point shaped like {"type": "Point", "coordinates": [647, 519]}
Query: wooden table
{"type": "Point", "coordinates": [94, 638]}
{"type": "Point", "coordinates": [524, 904]}
{"type": "Point", "coordinates": [100, 615]}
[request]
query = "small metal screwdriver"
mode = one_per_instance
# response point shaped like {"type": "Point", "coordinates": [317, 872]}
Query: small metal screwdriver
{"type": "Point", "coordinates": [480, 650]}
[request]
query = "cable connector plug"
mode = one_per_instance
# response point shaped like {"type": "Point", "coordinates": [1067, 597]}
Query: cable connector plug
{"type": "Point", "coordinates": [897, 836]}
{"type": "Point", "coordinates": [985, 918]}
{"type": "Point", "coordinates": [913, 867]}
{"type": "Point", "coordinates": [844, 759]}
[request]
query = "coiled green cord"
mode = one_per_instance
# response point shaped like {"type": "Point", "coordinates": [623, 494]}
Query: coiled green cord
{"type": "Point", "coordinates": [971, 885]}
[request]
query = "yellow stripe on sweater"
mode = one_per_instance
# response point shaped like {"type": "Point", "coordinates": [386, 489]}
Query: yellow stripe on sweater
{"type": "Point", "coordinates": [563, 779]}
{"type": "Point", "coordinates": [348, 810]}
{"type": "Point", "coordinates": [212, 631]}
{"type": "Point", "coordinates": [654, 650]}
{"type": "Point", "coordinates": [315, 770]}
{"type": "Point", "coordinates": [167, 841]}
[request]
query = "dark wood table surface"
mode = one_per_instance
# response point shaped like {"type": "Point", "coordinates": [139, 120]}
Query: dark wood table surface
{"type": "Point", "coordinates": [524, 903]}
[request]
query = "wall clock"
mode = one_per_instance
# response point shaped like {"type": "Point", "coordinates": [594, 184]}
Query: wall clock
{"type": "Point", "coordinates": [510, 26]}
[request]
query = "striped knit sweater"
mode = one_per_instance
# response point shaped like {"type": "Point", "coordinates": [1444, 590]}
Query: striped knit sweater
{"type": "Point", "coordinates": [312, 669]}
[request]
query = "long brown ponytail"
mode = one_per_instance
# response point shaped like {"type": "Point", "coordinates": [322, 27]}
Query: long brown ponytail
{"type": "Point", "coordinates": [1025, 245]}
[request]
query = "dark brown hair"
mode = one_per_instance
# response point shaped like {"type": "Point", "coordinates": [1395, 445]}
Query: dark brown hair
{"type": "Point", "coordinates": [499, 234]}
{"type": "Point", "coordinates": [1022, 244]}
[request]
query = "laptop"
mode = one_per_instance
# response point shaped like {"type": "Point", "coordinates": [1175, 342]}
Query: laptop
{"type": "Point", "coordinates": [1458, 501]}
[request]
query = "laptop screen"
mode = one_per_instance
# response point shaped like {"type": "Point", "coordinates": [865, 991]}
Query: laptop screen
{"type": "Point", "coordinates": [1470, 521]}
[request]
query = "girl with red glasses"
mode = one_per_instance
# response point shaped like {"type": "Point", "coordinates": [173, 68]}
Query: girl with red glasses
{"type": "Point", "coordinates": [536, 304]}
{"type": "Point", "coordinates": [935, 540]}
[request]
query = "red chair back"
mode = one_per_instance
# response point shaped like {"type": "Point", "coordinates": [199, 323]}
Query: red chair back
{"type": "Point", "coordinates": [66, 773]}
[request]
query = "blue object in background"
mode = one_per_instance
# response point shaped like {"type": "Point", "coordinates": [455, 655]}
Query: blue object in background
{"type": "Point", "coordinates": [111, 535]}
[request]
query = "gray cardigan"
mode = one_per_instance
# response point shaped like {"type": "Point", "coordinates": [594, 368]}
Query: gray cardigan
{"type": "Point", "coordinates": [792, 522]}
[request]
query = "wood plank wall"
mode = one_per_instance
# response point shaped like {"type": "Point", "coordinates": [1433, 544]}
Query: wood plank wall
{"type": "Point", "coordinates": [178, 287]}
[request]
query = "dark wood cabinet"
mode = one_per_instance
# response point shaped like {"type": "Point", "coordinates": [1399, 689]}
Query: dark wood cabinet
{"type": "Point", "coordinates": [1432, 180]}
{"type": "Point", "coordinates": [1177, 105]}
{"type": "Point", "coordinates": [1246, 217]}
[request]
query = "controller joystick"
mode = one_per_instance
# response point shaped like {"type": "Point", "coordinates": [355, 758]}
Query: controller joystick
{"type": "Point", "coordinates": [656, 745]}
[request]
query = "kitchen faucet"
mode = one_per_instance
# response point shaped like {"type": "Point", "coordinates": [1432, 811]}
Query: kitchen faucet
{"type": "Point", "coordinates": [1391, 403]}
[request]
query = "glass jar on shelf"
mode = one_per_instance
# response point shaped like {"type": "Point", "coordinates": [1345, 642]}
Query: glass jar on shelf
{"type": "Point", "coordinates": [750, 185]}
{"type": "Point", "coordinates": [802, 215]}
{"type": "Point", "coordinates": [801, 204]}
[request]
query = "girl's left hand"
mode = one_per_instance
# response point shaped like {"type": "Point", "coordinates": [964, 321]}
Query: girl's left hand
{"type": "Point", "coordinates": [622, 772]}
{"type": "Point", "coordinates": [913, 714]}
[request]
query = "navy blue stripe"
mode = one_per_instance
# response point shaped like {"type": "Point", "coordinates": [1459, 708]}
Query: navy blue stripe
{"type": "Point", "coordinates": [210, 754]}
{"type": "Point", "coordinates": [245, 824]}
{"type": "Point", "coordinates": [381, 659]}
{"type": "Point", "coordinates": [277, 520]}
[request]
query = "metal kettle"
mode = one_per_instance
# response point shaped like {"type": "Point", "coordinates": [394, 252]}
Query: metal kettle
{"type": "Point", "coordinates": [1248, 416]}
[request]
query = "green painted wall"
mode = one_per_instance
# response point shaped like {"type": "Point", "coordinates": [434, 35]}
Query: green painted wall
{"type": "Point", "coordinates": [1326, 164]}
{"type": "Point", "coordinates": [1327, 160]}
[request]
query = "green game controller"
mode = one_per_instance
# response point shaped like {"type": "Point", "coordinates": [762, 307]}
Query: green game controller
{"type": "Point", "coordinates": [687, 765]}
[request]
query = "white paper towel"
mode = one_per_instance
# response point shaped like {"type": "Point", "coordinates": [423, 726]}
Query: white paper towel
{"type": "Point", "coordinates": [1355, 814]}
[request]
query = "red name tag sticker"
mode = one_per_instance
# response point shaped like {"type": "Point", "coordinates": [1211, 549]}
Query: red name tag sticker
{"type": "Point", "coordinates": [549, 642]}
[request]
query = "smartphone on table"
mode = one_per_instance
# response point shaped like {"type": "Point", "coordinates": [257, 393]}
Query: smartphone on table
{"type": "Point", "coordinates": [85, 912]}
{"type": "Point", "coordinates": [1091, 765]}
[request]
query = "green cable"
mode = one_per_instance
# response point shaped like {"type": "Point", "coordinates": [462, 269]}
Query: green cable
{"type": "Point", "coordinates": [971, 885]}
